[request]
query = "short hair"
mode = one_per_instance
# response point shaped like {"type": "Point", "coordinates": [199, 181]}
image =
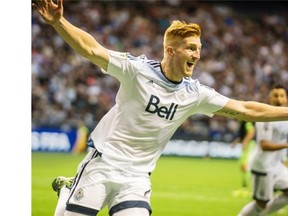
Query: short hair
{"type": "Point", "coordinates": [181, 29]}
{"type": "Point", "coordinates": [279, 86]}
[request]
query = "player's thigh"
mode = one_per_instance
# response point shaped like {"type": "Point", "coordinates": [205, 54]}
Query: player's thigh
{"type": "Point", "coordinates": [133, 196]}
{"type": "Point", "coordinates": [281, 178]}
{"type": "Point", "coordinates": [68, 213]}
{"type": "Point", "coordinates": [263, 186]}
{"type": "Point", "coordinates": [88, 193]}
{"type": "Point", "coordinates": [132, 212]}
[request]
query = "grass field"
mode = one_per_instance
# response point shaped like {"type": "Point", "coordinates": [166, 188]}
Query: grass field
{"type": "Point", "coordinates": [181, 186]}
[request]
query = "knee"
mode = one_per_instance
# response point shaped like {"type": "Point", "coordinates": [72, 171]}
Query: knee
{"type": "Point", "coordinates": [285, 192]}
{"type": "Point", "coordinates": [261, 204]}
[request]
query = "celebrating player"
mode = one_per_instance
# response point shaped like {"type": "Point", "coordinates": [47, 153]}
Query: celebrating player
{"type": "Point", "coordinates": [154, 99]}
{"type": "Point", "coordinates": [268, 170]}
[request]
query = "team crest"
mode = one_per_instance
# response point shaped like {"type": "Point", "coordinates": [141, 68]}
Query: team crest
{"type": "Point", "coordinates": [79, 194]}
{"type": "Point", "coordinates": [181, 95]}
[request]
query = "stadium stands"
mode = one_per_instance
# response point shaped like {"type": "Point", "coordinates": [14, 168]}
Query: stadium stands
{"type": "Point", "coordinates": [245, 51]}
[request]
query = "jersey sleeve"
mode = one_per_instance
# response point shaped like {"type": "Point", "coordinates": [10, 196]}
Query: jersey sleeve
{"type": "Point", "coordinates": [210, 100]}
{"type": "Point", "coordinates": [123, 66]}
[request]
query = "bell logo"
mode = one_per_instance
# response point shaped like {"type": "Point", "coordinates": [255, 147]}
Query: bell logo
{"type": "Point", "coordinates": [162, 111]}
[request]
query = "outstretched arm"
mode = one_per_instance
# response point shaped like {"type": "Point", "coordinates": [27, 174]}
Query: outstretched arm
{"type": "Point", "coordinates": [253, 111]}
{"type": "Point", "coordinates": [81, 41]}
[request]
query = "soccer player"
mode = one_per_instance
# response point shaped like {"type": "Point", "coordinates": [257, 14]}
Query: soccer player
{"type": "Point", "coordinates": [154, 99]}
{"type": "Point", "coordinates": [269, 172]}
{"type": "Point", "coordinates": [246, 137]}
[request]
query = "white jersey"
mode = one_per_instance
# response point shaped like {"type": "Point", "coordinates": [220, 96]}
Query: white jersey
{"type": "Point", "coordinates": [275, 132]}
{"type": "Point", "coordinates": [148, 110]}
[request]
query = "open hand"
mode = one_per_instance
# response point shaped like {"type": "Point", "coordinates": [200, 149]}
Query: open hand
{"type": "Point", "coordinates": [48, 10]}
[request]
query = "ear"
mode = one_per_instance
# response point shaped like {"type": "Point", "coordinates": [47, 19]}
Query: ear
{"type": "Point", "coordinates": [170, 50]}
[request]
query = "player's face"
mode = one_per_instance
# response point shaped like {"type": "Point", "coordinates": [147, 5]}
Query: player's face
{"type": "Point", "coordinates": [186, 56]}
{"type": "Point", "coordinates": [278, 97]}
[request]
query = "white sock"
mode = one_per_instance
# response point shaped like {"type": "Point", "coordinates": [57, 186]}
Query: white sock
{"type": "Point", "coordinates": [62, 199]}
{"type": "Point", "coordinates": [251, 209]}
{"type": "Point", "coordinates": [275, 204]}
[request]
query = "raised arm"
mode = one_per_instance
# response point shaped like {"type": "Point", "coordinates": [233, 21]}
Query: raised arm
{"type": "Point", "coordinates": [81, 41]}
{"type": "Point", "coordinates": [253, 111]}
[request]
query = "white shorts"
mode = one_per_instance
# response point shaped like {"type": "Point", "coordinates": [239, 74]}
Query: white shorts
{"type": "Point", "coordinates": [98, 183]}
{"type": "Point", "coordinates": [264, 184]}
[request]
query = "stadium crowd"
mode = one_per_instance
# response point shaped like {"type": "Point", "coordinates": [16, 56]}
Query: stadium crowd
{"type": "Point", "coordinates": [245, 51]}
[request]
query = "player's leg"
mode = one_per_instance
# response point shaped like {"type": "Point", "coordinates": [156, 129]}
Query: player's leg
{"type": "Point", "coordinates": [62, 186]}
{"type": "Point", "coordinates": [242, 163]}
{"type": "Point", "coordinates": [277, 203]}
{"type": "Point", "coordinates": [131, 208]}
{"type": "Point", "coordinates": [132, 212]}
{"type": "Point", "coordinates": [245, 175]}
{"type": "Point", "coordinates": [68, 213]}
{"type": "Point", "coordinates": [244, 190]}
{"type": "Point", "coordinates": [131, 195]}
{"type": "Point", "coordinates": [281, 183]}
{"type": "Point", "coordinates": [250, 209]}
{"type": "Point", "coordinates": [262, 184]}
{"type": "Point", "coordinates": [245, 166]}
{"type": "Point", "coordinates": [88, 194]}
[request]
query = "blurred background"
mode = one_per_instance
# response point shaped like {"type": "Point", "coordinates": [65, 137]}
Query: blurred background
{"type": "Point", "coordinates": [244, 53]}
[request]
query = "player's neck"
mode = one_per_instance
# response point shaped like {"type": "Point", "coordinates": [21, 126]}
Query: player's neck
{"type": "Point", "coordinates": [166, 70]}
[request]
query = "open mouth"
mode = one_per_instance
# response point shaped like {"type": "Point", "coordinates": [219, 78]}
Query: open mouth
{"type": "Point", "coordinates": [190, 65]}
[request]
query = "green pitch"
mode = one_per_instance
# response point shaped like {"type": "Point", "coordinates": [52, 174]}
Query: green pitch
{"type": "Point", "coordinates": [180, 186]}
